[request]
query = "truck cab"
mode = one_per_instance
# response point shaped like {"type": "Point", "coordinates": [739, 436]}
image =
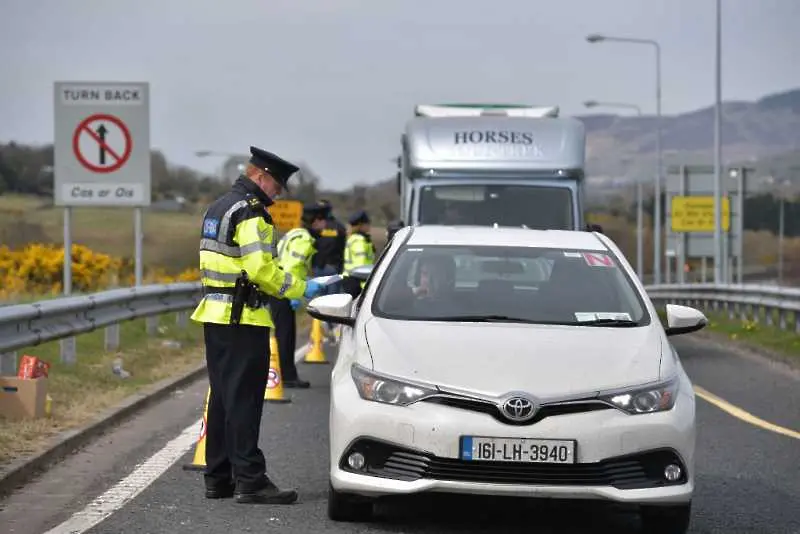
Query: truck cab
{"type": "Point", "coordinates": [503, 165]}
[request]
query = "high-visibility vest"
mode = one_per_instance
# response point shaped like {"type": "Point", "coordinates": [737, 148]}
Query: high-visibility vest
{"type": "Point", "coordinates": [295, 251]}
{"type": "Point", "coordinates": [358, 251]}
{"type": "Point", "coordinates": [238, 235]}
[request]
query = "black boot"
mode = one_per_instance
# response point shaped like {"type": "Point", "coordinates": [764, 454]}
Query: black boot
{"type": "Point", "coordinates": [223, 490]}
{"type": "Point", "coordinates": [267, 494]}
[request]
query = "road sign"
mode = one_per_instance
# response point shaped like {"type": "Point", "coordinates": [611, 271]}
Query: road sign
{"type": "Point", "coordinates": [286, 214]}
{"type": "Point", "coordinates": [696, 214]}
{"type": "Point", "coordinates": [102, 144]}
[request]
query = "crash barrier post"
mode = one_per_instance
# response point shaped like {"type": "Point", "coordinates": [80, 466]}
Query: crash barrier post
{"type": "Point", "coordinates": [316, 354]}
{"type": "Point", "coordinates": [274, 391]}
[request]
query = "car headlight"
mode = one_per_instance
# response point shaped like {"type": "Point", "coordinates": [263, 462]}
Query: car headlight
{"type": "Point", "coordinates": [375, 387]}
{"type": "Point", "coordinates": [650, 399]}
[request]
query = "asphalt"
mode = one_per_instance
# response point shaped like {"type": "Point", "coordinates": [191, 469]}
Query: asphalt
{"type": "Point", "coordinates": [748, 477]}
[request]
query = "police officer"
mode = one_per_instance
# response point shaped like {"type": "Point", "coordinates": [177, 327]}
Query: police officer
{"type": "Point", "coordinates": [295, 253]}
{"type": "Point", "coordinates": [238, 272]}
{"type": "Point", "coordinates": [330, 244]}
{"type": "Point", "coordinates": [359, 249]}
{"type": "Point", "coordinates": [391, 229]}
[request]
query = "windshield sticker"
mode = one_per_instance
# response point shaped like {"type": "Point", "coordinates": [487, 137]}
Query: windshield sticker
{"type": "Point", "coordinates": [572, 254]}
{"type": "Point", "coordinates": [597, 259]}
{"type": "Point", "coordinates": [415, 250]}
{"type": "Point", "coordinates": [592, 316]}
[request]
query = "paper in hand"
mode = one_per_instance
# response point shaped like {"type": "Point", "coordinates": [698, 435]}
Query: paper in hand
{"type": "Point", "coordinates": [328, 280]}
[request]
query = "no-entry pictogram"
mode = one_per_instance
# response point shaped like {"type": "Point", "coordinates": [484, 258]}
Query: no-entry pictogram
{"type": "Point", "coordinates": [102, 143]}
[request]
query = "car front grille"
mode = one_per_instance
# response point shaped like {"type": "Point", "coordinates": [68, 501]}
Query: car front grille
{"type": "Point", "coordinates": [642, 470]}
{"type": "Point", "coordinates": [547, 410]}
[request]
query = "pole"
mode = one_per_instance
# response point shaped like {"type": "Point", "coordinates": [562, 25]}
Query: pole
{"type": "Point", "coordinates": [780, 241]}
{"type": "Point", "coordinates": [137, 238]}
{"type": "Point", "coordinates": [719, 260]}
{"type": "Point", "coordinates": [639, 232]}
{"type": "Point", "coordinates": [67, 283]}
{"type": "Point", "coordinates": [657, 192]}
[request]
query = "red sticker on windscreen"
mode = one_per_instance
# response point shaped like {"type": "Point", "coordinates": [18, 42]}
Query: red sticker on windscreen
{"type": "Point", "coordinates": [595, 259]}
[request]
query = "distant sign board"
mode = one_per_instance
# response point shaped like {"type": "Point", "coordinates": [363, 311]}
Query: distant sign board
{"type": "Point", "coordinates": [102, 144]}
{"type": "Point", "coordinates": [696, 214]}
{"type": "Point", "coordinates": [286, 214]}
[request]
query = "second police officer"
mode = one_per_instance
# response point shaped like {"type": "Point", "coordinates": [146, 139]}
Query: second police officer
{"type": "Point", "coordinates": [239, 273]}
{"type": "Point", "coordinates": [359, 251]}
{"type": "Point", "coordinates": [296, 251]}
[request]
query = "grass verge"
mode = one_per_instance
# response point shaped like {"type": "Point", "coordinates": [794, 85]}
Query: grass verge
{"type": "Point", "coordinates": [80, 391]}
{"type": "Point", "coordinates": [757, 335]}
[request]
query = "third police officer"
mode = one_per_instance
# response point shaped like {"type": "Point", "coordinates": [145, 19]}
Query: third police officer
{"type": "Point", "coordinates": [360, 250]}
{"type": "Point", "coordinates": [239, 273]}
{"type": "Point", "coordinates": [295, 253]}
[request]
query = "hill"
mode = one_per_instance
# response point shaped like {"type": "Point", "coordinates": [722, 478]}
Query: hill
{"type": "Point", "coordinates": [764, 133]}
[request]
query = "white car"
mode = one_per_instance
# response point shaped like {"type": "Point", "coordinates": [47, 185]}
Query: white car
{"type": "Point", "coordinates": [505, 361]}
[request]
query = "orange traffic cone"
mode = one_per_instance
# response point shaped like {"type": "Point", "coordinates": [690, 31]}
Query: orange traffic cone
{"type": "Point", "coordinates": [199, 460]}
{"type": "Point", "coordinates": [274, 391]}
{"type": "Point", "coordinates": [315, 354]}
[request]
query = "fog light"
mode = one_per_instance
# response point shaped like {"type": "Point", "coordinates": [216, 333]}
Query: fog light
{"type": "Point", "coordinates": [356, 460]}
{"type": "Point", "coordinates": [672, 472]}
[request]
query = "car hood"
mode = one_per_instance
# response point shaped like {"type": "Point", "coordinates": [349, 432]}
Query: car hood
{"type": "Point", "coordinates": [496, 358]}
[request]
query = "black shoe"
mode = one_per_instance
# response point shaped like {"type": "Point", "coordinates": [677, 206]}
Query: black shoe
{"type": "Point", "coordinates": [220, 491]}
{"type": "Point", "coordinates": [270, 494]}
{"type": "Point", "coordinates": [297, 383]}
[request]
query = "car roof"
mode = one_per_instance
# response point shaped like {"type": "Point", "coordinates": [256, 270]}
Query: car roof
{"type": "Point", "coordinates": [504, 236]}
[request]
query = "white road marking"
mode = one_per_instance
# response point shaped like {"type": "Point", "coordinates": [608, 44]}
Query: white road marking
{"type": "Point", "coordinates": [142, 476]}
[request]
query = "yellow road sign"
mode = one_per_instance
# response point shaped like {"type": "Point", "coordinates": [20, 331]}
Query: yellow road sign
{"type": "Point", "coordinates": [696, 214]}
{"type": "Point", "coordinates": [286, 214]}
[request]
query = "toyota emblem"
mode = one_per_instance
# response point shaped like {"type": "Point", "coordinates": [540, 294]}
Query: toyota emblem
{"type": "Point", "coordinates": [519, 409]}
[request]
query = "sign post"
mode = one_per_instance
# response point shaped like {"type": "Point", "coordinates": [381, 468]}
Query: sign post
{"type": "Point", "coordinates": [101, 154]}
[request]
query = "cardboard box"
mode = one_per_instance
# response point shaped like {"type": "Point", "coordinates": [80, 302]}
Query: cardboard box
{"type": "Point", "coordinates": [22, 398]}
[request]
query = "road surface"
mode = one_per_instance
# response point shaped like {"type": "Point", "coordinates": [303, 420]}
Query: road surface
{"type": "Point", "coordinates": [748, 470]}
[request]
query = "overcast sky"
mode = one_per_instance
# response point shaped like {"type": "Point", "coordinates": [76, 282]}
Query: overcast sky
{"type": "Point", "coordinates": [332, 82]}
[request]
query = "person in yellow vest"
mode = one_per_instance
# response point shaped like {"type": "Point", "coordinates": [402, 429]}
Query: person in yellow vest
{"type": "Point", "coordinates": [296, 250]}
{"type": "Point", "coordinates": [359, 250]}
{"type": "Point", "coordinates": [238, 272]}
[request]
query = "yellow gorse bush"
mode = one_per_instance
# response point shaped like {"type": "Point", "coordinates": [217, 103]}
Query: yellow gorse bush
{"type": "Point", "coordinates": [37, 269]}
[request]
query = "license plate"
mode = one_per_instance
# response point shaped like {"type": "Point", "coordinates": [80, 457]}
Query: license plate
{"type": "Point", "coordinates": [522, 450]}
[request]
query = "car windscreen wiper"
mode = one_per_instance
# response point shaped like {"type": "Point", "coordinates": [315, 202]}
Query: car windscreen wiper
{"type": "Point", "coordinates": [606, 322]}
{"type": "Point", "coordinates": [487, 318]}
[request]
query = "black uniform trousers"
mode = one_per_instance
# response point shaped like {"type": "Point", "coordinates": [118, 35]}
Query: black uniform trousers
{"type": "Point", "coordinates": [286, 335]}
{"type": "Point", "coordinates": [238, 362]}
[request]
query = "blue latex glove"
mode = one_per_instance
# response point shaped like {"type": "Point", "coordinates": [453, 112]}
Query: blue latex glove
{"type": "Point", "coordinates": [312, 289]}
{"type": "Point", "coordinates": [294, 303]}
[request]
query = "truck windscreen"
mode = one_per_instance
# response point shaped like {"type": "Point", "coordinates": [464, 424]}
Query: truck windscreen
{"type": "Point", "coordinates": [536, 207]}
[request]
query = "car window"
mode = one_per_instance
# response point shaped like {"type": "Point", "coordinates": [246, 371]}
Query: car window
{"type": "Point", "coordinates": [538, 285]}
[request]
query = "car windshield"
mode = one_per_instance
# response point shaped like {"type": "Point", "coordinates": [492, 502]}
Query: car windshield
{"type": "Point", "coordinates": [538, 207]}
{"type": "Point", "coordinates": [509, 284]}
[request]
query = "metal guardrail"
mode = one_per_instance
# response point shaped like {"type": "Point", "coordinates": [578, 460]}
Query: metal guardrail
{"type": "Point", "coordinates": [750, 302]}
{"type": "Point", "coordinates": [26, 325]}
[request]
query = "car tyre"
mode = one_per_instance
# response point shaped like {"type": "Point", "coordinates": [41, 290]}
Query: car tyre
{"type": "Point", "coordinates": [346, 507]}
{"type": "Point", "coordinates": [672, 519]}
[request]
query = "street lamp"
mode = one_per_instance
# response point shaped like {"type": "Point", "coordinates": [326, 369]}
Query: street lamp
{"type": "Point", "coordinates": [598, 38]}
{"type": "Point", "coordinates": [228, 155]}
{"type": "Point", "coordinates": [783, 185]}
{"type": "Point", "coordinates": [639, 217]}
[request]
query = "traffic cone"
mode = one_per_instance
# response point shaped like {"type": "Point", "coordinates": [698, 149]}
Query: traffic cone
{"type": "Point", "coordinates": [315, 354]}
{"type": "Point", "coordinates": [199, 460]}
{"type": "Point", "coordinates": [274, 391]}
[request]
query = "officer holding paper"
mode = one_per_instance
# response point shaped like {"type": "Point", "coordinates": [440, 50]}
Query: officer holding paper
{"type": "Point", "coordinates": [295, 253]}
{"type": "Point", "coordinates": [239, 273]}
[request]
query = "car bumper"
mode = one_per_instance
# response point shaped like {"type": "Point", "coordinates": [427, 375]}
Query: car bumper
{"type": "Point", "coordinates": [619, 457]}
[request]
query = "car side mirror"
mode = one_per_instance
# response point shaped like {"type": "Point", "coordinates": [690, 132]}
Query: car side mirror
{"type": "Point", "coordinates": [684, 320]}
{"type": "Point", "coordinates": [334, 308]}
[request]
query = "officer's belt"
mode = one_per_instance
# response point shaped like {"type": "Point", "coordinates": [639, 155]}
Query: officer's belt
{"type": "Point", "coordinates": [263, 298]}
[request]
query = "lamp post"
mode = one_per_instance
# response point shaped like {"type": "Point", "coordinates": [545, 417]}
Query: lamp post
{"type": "Point", "coordinates": [639, 217]}
{"type": "Point", "coordinates": [597, 38]}
{"type": "Point", "coordinates": [783, 186]}
{"type": "Point", "coordinates": [228, 155]}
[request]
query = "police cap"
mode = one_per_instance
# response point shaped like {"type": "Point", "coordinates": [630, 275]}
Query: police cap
{"type": "Point", "coordinates": [359, 217]}
{"type": "Point", "coordinates": [325, 206]}
{"type": "Point", "coordinates": [278, 167]}
{"type": "Point", "coordinates": [312, 211]}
